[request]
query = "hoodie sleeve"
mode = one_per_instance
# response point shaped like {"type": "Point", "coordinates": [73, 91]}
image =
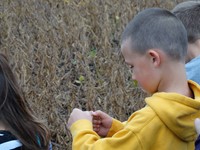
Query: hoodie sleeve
{"type": "Point", "coordinates": [84, 138]}
{"type": "Point", "coordinates": [116, 126]}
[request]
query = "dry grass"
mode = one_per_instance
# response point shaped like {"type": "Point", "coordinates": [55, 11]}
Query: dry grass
{"type": "Point", "coordinates": [65, 54]}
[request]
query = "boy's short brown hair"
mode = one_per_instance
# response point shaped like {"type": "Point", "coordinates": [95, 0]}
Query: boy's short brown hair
{"type": "Point", "coordinates": [157, 28]}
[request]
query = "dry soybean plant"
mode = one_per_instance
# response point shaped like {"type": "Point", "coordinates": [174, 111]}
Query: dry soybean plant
{"type": "Point", "coordinates": [66, 55]}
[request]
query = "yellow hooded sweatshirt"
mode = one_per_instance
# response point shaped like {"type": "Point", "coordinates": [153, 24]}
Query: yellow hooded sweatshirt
{"type": "Point", "coordinates": [166, 123]}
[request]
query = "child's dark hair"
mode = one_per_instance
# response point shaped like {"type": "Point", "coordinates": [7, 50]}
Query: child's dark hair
{"type": "Point", "coordinates": [157, 28]}
{"type": "Point", "coordinates": [15, 114]}
{"type": "Point", "coordinates": [189, 13]}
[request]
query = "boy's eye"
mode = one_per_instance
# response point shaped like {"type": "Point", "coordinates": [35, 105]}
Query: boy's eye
{"type": "Point", "coordinates": [131, 67]}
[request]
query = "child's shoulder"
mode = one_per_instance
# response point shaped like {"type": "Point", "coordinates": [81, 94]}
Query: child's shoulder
{"type": "Point", "coordinates": [142, 118]}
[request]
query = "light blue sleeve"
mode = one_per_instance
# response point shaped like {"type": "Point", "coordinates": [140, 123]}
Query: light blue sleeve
{"type": "Point", "coordinates": [193, 70]}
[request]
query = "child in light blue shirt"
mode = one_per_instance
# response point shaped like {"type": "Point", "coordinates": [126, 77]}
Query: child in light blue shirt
{"type": "Point", "coordinates": [189, 13]}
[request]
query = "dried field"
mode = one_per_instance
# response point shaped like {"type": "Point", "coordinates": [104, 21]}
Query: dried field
{"type": "Point", "coordinates": [66, 54]}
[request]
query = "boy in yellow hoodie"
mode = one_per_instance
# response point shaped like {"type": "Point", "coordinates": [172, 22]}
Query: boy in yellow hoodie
{"type": "Point", "coordinates": [154, 45]}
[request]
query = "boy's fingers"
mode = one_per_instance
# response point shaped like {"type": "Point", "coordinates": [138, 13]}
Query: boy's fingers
{"type": "Point", "coordinates": [96, 117]}
{"type": "Point", "coordinates": [197, 125]}
{"type": "Point", "coordinates": [96, 126]}
{"type": "Point", "coordinates": [96, 129]}
{"type": "Point", "coordinates": [96, 121]}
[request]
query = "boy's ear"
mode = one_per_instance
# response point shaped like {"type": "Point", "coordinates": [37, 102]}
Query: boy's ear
{"type": "Point", "coordinates": [155, 57]}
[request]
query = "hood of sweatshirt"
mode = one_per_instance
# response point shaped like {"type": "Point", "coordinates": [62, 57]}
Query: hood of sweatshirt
{"type": "Point", "coordinates": [177, 111]}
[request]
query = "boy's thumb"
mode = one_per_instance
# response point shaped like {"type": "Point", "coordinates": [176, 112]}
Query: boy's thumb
{"type": "Point", "coordinates": [97, 113]}
{"type": "Point", "coordinates": [197, 125]}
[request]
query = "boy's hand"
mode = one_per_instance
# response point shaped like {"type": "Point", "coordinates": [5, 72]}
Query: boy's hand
{"type": "Point", "coordinates": [101, 123]}
{"type": "Point", "coordinates": [197, 125]}
{"type": "Point", "coordinates": [78, 114]}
